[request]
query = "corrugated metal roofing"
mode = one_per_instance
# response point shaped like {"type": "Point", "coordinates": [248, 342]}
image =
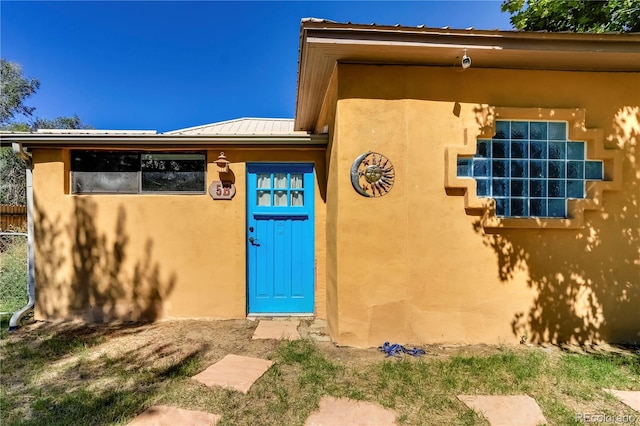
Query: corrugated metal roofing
{"type": "Point", "coordinates": [96, 132]}
{"type": "Point", "coordinates": [242, 126]}
{"type": "Point", "coordinates": [423, 26]}
{"type": "Point", "coordinates": [374, 24]}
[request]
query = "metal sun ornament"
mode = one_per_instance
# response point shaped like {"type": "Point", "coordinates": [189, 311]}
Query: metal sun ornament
{"type": "Point", "coordinates": [372, 175]}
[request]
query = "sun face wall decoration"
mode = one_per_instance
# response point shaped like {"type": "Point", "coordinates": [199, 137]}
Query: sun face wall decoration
{"type": "Point", "coordinates": [372, 175]}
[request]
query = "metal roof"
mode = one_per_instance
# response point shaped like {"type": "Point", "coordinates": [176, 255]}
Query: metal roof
{"type": "Point", "coordinates": [242, 126]}
{"type": "Point", "coordinates": [249, 132]}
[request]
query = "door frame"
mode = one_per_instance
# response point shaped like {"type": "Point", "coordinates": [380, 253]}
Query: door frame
{"type": "Point", "coordinates": [309, 195]}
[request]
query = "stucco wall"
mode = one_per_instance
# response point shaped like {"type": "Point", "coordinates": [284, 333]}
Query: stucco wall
{"type": "Point", "coordinates": [412, 266]}
{"type": "Point", "coordinates": [105, 257]}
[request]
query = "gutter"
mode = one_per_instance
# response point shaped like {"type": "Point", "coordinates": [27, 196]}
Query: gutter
{"type": "Point", "coordinates": [31, 276]}
{"type": "Point", "coordinates": [36, 140]}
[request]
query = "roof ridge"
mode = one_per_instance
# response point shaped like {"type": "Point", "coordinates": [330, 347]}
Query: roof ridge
{"type": "Point", "coordinates": [220, 123]}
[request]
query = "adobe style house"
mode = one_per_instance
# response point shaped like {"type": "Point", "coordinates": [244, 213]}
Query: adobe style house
{"type": "Point", "coordinates": [412, 199]}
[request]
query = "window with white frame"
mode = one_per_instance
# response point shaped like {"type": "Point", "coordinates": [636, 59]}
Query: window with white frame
{"type": "Point", "coordinates": [129, 172]}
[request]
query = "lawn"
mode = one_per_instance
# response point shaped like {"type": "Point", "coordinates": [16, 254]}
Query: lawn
{"type": "Point", "coordinates": [73, 374]}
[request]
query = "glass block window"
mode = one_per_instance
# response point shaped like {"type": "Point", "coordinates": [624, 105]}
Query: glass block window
{"type": "Point", "coordinates": [530, 169]}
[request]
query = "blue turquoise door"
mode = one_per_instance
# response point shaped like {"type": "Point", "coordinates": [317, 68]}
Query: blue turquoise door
{"type": "Point", "coordinates": [280, 238]}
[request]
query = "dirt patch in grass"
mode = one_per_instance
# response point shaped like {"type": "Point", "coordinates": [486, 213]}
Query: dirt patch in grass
{"type": "Point", "coordinates": [74, 373]}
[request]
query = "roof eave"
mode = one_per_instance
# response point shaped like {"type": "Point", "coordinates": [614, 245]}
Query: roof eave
{"type": "Point", "coordinates": [41, 140]}
{"type": "Point", "coordinates": [323, 44]}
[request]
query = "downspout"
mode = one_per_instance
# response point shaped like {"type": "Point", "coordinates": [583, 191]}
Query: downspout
{"type": "Point", "coordinates": [31, 275]}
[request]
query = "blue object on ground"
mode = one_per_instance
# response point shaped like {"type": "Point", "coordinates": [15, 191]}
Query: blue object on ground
{"type": "Point", "coordinates": [396, 350]}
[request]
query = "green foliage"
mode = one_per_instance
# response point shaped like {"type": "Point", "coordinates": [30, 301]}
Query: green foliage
{"type": "Point", "coordinates": [13, 273]}
{"type": "Point", "coordinates": [12, 178]}
{"type": "Point", "coordinates": [17, 127]}
{"type": "Point", "coordinates": [69, 123]}
{"type": "Point", "coordinates": [574, 15]}
{"type": "Point", "coordinates": [316, 370]}
{"type": "Point", "coordinates": [14, 89]}
{"type": "Point", "coordinates": [603, 369]}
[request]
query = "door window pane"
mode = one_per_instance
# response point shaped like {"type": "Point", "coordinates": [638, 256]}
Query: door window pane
{"type": "Point", "coordinates": [297, 199]}
{"type": "Point", "coordinates": [264, 198]}
{"type": "Point", "coordinates": [296, 181]}
{"type": "Point", "coordinates": [280, 198]}
{"type": "Point", "coordinates": [279, 180]}
{"type": "Point", "coordinates": [264, 180]}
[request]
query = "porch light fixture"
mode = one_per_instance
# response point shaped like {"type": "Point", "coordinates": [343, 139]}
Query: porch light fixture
{"type": "Point", "coordinates": [222, 163]}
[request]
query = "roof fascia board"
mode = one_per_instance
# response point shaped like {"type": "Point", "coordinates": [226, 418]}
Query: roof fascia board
{"type": "Point", "coordinates": [403, 31]}
{"type": "Point", "coordinates": [475, 41]}
{"type": "Point", "coordinates": [59, 140]}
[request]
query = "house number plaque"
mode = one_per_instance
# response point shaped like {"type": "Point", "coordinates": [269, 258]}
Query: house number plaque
{"type": "Point", "coordinates": [372, 175]}
{"type": "Point", "coordinates": [222, 190]}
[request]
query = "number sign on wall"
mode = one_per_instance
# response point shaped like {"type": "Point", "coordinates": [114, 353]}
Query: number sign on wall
{"type": "Point", "coordinates": [222, 190]}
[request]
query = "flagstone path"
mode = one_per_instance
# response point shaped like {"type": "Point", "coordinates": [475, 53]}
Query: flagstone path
{"type": "Point", "coordinates": [278, 330]}
{"type": "Point", "coordinates": [241, 372]}
{"type": "Point", "coordinates": [162, 415]}
{"type": "Point", "coordinates": [506, 410]}
{"type": "Point", "coordinates": [629, 398]}
{"type": "Point", "coordinates": [347, 412]}
{"type": "Point", "coordinates": [234, 372]}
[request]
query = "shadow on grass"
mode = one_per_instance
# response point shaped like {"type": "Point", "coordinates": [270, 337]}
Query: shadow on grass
{"type": "Point", "coordinates": [74, 377]}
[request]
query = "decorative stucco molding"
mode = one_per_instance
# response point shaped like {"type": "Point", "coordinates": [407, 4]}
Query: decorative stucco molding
{"type": "Point", "coordinates": [485, 207]}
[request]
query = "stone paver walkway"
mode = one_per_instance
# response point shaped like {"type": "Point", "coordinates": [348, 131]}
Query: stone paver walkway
{"type": "Point", "coordinates": [240, 373]}
{"type": "Point", "coordinates": [506, 410]}
{"type": "Point", "coordinates": [162, 415]}
{"type": "Point", "coordinates": [234, 372]}
{"type": "Point", "coordinates": [277, 329]}
{"type": "Point", "coordinates": [629, 398]}
{"type": "Point", "coordinates": [347, 412]}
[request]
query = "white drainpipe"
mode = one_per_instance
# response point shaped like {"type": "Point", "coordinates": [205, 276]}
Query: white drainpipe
{"type": "Point", "coordinates": [31, 277]}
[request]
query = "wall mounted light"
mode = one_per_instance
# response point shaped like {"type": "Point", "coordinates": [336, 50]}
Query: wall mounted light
{"type": "Point", "coordinates": [222, 163]}
{"type": "Point", "coordinates": [466, 60]}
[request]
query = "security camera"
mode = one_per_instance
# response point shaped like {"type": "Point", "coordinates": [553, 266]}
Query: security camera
{"type": "Point", "coordinates": [466, 61]}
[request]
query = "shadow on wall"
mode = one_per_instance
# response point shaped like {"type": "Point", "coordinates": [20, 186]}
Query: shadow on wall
{"type": "Point", "coordinates": [99, 287]}
{"type": "Point", "coordinates": [587, 280]}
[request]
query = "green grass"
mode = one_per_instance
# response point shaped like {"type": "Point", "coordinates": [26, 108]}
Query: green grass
{"type": "Point", "coordinates": [76, 376]}
{"type": "Point", "coordinates": [13, 273]}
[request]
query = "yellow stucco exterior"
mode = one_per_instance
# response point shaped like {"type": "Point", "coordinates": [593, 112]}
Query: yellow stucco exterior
{"type": "Point", "coordinates": [414, 266]}
{"type": "Point", "coordinates": [148, 257]}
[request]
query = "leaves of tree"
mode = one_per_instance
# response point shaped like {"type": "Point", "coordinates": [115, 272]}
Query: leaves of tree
{"type": "Point", "coordinates": [14, 89]}
{"type": "Point", "coordinates": [595, 16]}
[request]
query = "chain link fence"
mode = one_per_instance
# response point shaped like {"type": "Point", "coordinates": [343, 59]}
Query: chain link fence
{"type": "Point", "coordinates": [13, 271]}
{"type": "Point", "coordinates": [13, 238]}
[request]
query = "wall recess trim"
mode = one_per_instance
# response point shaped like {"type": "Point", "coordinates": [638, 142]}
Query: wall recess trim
{"type": "Point", "coordinates": [486, 207]}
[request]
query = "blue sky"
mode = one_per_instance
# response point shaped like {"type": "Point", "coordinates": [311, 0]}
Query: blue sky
{"type": "Point", "coordinates": [170, 65]}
